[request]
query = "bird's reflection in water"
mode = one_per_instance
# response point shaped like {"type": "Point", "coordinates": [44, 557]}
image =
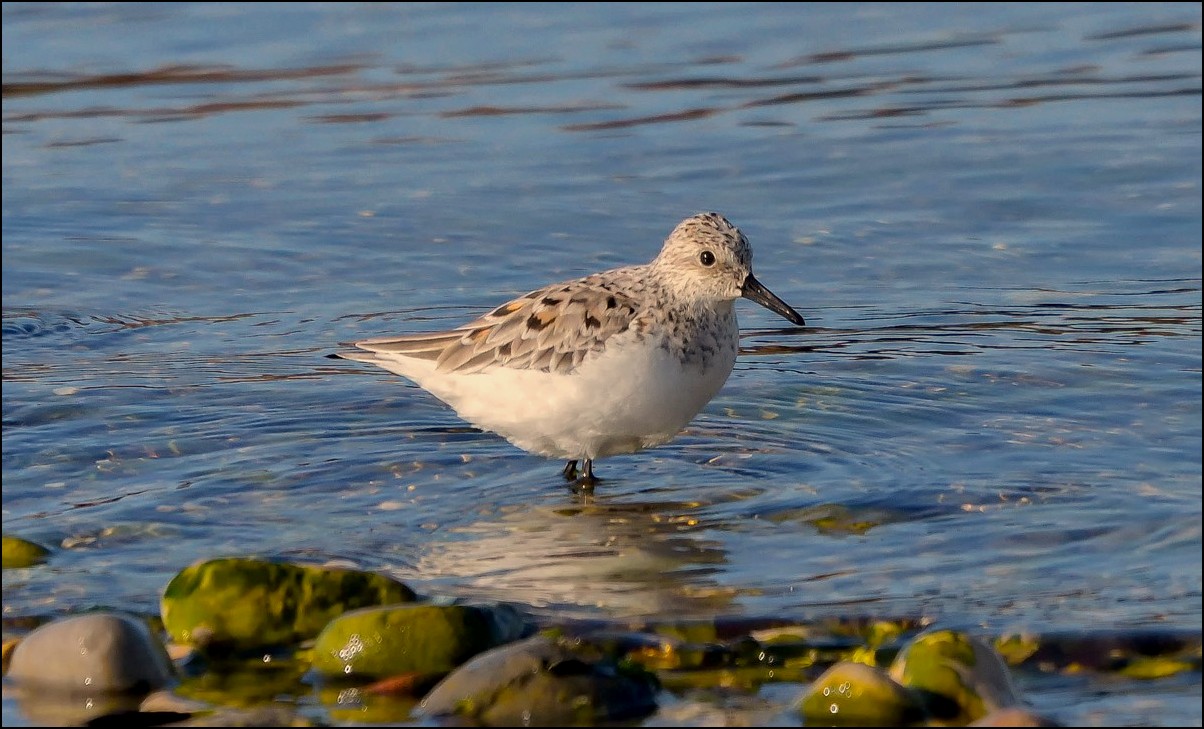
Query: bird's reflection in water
{"type": "Point", "coordinates": [592, 556]}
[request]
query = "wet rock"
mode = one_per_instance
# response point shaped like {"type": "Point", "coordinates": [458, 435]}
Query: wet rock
{"type": "Point", "coordinates": [246, 681]}
{"type": "Point", "coordinates": [65, 708]}
{"type": "Point", "coordinates": [1147, 654]}
{"type": "Point", "coordinates": [256, 716]}
{"type": "Point", "coordinates": [960, 678]}
{"type": "Point", "coordinates": [99, 652]}
{"type": "Point", "coordinates": [854, 694]}
{"type": "Point", "coordinates": [166, 708]}
{"type": "Point", "coordinates": [244, 603]}
{"type": "Point", "coordinates": [18, 552]}
{"type": "Point", "coordinates": [74, 670]}
{"type": "Point", "coordinates": [1017, 649]}
{"type": "Point", "coordinates": [655, 652]}
{"type": "Point", "coordinates": [10, 645]}
{"type": "Point", "coordinates": [165, 702]}
{"type": "Point", "coordinates": [360, 707]}
{"type": "Point", "coordinates": [836, 518]}
{"type": "Point", "coordinates": [747, 679]}
{"type": "Point", "coordinates": [411, 683]}
{"type": "Point", "coordinates": [1153, 667]}
{"type": "Point", "coordinates": [694, 631]}
{"type": "Point", "coordinates": [542, 681]}
{"type": "Point", "coordinates": [828, 642]}
{"type": "Point", "coordinates": [425, 639]}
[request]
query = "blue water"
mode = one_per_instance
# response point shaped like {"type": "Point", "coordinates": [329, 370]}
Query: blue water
{"type": "Point", "coordinates": [990, 217]}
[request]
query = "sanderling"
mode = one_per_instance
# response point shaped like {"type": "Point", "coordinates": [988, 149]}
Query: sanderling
{"type": "Point", "coordinates": [607, 364]}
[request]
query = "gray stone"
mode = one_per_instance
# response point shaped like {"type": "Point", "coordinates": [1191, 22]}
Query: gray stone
{"type": "Point", "coordinates": [95, 653]}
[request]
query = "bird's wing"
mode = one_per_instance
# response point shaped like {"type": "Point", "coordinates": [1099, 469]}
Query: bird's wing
{"type": "Point", "coordinates": [551, 330]}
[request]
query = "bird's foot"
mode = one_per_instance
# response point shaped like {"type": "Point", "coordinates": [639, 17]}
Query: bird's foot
{"type": "Point", "coordinates": [585, 480]}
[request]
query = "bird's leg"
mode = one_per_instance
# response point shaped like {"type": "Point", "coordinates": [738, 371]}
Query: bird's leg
{"type": "Point", "coordinates": [583, 479]}
{"type": "Point", "coordinates": [587, 479]}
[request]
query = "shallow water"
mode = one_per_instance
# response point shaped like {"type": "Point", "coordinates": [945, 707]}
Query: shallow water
{"type": "Point", "coordinates": [989, 216]}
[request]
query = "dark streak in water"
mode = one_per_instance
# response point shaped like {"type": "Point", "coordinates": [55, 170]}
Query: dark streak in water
{"type": "Point", "coordinates": [110, 500]}
{"type": "Point", "coordinates": [1174, 48]}
{"type": "Point", "coordinates": [350, 118]}
{"type": "Point", "coordinates": [721, 83]}
{"type": "Point", "coordinates": [507, 110]}
{"type": "Point", "coordinates": [465, 68]}
{"type": "Point", "coordinates": [852, 53]}
{"type": "Point", "coordinates": [815, 95]}
{"type": "Point", "coordinates": [43, 83]}
{"type": "Point", "coordinates": [1145, 30]}
{"type": "Point", "coordinates": [1017, 102]}
{"type": "Point", "coordinates": [1030, 100]}
{"type": "Point", "coordinates": [686, 115]}
{"type": "Point", "coordinates": [82, 142]}
{"type": "Point", "coordinates": [1070, 79]}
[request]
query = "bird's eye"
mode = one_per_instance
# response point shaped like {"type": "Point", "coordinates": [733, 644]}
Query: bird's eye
{"type": "Point", "coordinates": [707, 258]}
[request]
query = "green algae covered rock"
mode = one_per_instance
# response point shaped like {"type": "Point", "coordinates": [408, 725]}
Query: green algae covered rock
{"type": "Point", "coordinates": [961, 678]}
{"type": "Point", "coordinates": [1152, 667]}
{"type": "Point", "coordinates": [426, 639]}
{"type": "Point", "coordinates": [18, 552]}
{"type": "Point", "coordinates": [854, 694]}
{"type": "Point", "coordinates": [542, 681]}
{"type": "Point", "coordinates": [242, 603]}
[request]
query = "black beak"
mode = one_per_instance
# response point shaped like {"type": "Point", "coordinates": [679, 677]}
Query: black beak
{"type": "Point", "coordinates": [754, 291]}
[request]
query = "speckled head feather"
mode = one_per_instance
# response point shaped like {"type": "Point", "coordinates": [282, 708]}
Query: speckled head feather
{"type": "Point", "coordinates": [712, 229]}
{"type": "Point", "coordinates": [705, 258]}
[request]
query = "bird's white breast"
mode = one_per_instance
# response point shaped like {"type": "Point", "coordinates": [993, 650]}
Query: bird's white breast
{"type": "Point", "coordinates": [635, 394]}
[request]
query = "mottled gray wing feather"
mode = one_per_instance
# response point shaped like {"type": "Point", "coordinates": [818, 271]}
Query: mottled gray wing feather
{"type": "Point", "coordinates": [551, 330]}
